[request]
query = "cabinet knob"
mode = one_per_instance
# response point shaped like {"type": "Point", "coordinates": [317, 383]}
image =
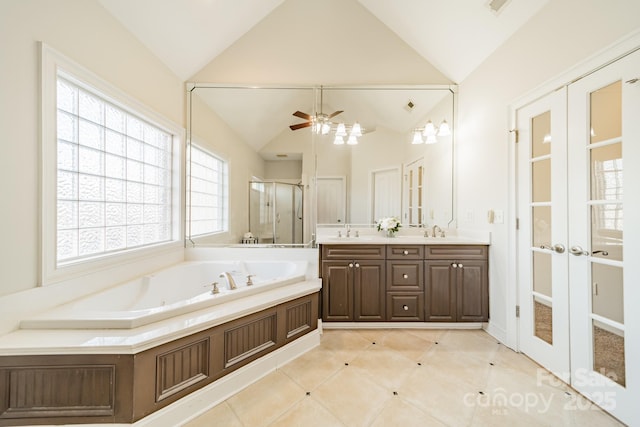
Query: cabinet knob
{"type": "Point", "coordinates": [357, 265]}
{"type": "Point", "coordinates": [454, 265]}
{"type": "Point", "coordinates": [460, 265]}
{"type": "Point", "coordinates": [350, 265]}
{"type": "Point", "coordinates": [405, 307]}
{"type": "Point", "coordinates": [405, 252]}
{"type": "Point", "coordinates": [405, 276]}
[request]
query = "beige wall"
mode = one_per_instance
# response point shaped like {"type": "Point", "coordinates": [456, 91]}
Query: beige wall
{"type": "Point", "coordinates": [564, 33]}
{"type": "Point", "coordinates": [84, 32]}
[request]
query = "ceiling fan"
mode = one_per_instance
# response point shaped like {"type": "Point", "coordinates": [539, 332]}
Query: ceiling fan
{"type": "Point", "coordinates": [321, 122]}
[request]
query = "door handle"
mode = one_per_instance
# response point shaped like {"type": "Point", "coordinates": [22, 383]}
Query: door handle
{"type": "Point", "coordinates": [578, 251]}
{"type": "Point", "coordinates": [557, 248]}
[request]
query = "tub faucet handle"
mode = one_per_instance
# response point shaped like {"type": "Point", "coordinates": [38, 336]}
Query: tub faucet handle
{"type": "Point", "coordinates": [249, 281]}
{"type": "Point", "coordinates": [214, 289]}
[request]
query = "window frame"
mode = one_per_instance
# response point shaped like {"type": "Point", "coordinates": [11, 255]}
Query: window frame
{"type": "Point", "coordinates": [53, 63]}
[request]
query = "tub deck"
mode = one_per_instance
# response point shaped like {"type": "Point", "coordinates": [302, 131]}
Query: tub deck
{"type": "Point", "coordinates": [132, 341]}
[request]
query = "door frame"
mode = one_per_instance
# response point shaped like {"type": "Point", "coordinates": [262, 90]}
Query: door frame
{"type": "Point", "coordinates": [617, 50]}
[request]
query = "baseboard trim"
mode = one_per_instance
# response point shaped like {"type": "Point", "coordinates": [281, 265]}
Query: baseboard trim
{"type": "Point", "coordinates": [402, 325]}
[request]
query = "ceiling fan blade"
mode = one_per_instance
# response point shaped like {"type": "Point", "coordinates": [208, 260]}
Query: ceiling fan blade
{"type": "Point", "coordinates": [302, 115]}
{"type": "Point", "coordinates": [300, 126]}
{"type": "Point", "coordinates": [335, 114]}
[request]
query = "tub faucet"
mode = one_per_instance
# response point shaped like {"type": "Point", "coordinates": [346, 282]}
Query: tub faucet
{"type": "Point", "coordinates": [231, 284]}
{"type": "Point", "coordinates": [433, 230]}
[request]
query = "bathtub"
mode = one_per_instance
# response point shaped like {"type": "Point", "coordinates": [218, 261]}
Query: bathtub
{"type": "Point", "coordinates": [180, 289]}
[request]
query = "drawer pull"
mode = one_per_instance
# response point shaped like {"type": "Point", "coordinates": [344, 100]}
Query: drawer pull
{"type": "Point", "coordinates": [405, 276]}
{"type": "Point", "coordinates": [405, 307]}
{"type": "Point", "coordinates": [405, 252]}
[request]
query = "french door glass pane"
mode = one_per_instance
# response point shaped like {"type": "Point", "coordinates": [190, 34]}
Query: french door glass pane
{"type": "Point", "coordinates": [541, 216]}
{"type": "Point", "coordinates": [541, 179]}
{"type": "Point", "coordinates": [606, 113]}
{"type": "Point", "coordinates": [541, 135]}
{"type": "Point", "coordinates": [542, 273]}
{"type": "Point", "coordinates": [543, 320]}
{"type": "Point", "coordinates": [608, 352]}
{"type": "Point", "coordinates": [608, 298]}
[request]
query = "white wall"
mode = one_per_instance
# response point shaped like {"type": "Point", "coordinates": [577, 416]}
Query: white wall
{"type": "Point", "coordinates": [564, 33]}
{"type": "Point", "coordinates": [84, 32]}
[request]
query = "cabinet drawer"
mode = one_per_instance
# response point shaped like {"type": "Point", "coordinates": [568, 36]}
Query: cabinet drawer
{"type": "Point", "coordinates": [456, 252]}
{"type": "Point", "coordinates": [405, 251]}
{"type": "Point", "coordinates": [352, 252]}
{"type": "Point", "coordinates": [407, 306]}
{"type": "Point", "coordinates": [405, 276]}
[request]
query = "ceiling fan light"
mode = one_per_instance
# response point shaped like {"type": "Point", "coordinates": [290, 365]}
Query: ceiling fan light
{"type": "Point", "coordinates": [325, 128]}
{"type": "Point", "coordinates": [339, 140]}
{"type": "Point", "coordinates": [356, 130]}
{"type": "Point", "coordinates": [429, 129]}
{"type": "Point", "coordinates": [352, 139]}
{"type": "Point", "coordinates": [417, 137]}
{"type": "Point", "coordinates": [341, 130]}
{"type": "Point", "coordinates": [444, 129]}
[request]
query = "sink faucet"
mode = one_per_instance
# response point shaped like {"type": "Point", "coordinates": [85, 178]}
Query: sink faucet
{"type": "Point", "coordinates": [433, 230]}
{"type": "Point", "coordinates": [231, 284]}
{"type": "Point", "coordinates": [348, 230]}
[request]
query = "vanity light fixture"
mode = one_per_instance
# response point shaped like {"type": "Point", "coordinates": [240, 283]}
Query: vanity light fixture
{"type": "Point", "coordinates": [429, 132]}
{"type": "Point", "coordinates": [352, 133]}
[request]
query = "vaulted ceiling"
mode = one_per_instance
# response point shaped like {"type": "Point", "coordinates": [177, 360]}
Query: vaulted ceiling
{"type": "Point", "coordinates": [453, 36]}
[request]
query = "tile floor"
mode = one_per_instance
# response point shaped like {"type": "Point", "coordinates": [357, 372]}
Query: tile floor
{"type": "Point", "coordinates": [406, 377]}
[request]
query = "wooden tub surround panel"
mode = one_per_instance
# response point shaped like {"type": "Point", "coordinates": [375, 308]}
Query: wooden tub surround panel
{"type": "Point", "coordinates": [123, 388]}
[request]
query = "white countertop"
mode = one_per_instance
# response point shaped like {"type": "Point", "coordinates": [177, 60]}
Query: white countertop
{"type": "Point", "coordinates": [413, 236]}
{"type": "Point", "coordinates": [132, 341]}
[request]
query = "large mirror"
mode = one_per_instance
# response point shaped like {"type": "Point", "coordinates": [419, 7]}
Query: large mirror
{"type": "Point", "coordinates": [286, 173]}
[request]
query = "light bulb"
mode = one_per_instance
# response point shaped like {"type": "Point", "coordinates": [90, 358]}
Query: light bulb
{"type": "Point", "coordinates": [352, 139]}
{"type": "Point", "coordinates": [339, 140]}
{"type": "Point", "coordinates": [356, 130]}
{"type": "Point", "coordinates": [341, 130]}
{"type": "Point", "coordinates": [325, 128]}
{"type": "Point", "coordinates": [444, 129]}
{"type": "Point", "coordinates": [417, 138]}
{"type": "Point", "coordinates": [429, 129]}
{"type": "Point", "coordinates": [431, 139]}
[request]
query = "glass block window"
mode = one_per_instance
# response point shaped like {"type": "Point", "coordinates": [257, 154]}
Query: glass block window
{"type": "Point", "coordinates": [113, 176]}
{"type": "Point", "coordinates": [207, 186]}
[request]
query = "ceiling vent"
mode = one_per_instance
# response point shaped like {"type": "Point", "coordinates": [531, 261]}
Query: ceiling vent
{"type": "Point", "coordinates": [497, 6]}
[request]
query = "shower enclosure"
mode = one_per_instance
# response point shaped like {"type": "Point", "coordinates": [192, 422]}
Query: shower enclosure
{"type": "Point", "coordinates": [276, 212]}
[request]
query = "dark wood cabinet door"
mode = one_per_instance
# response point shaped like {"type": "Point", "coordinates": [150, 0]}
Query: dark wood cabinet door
{"type": "Point", "coordinates": [440, 291]}
{"type": "Point", "coordinates": [337, 292]}
{"type": "Point", "coordinates": [369, 290]}
{"type": "Point", "coordinates": [473, 293]}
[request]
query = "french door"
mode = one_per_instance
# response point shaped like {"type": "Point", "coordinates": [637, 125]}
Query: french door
{"type": "Point", "coordinates": [604, 271]}
{"type": "Point", "coordinates": [542, 210]}
{"type": "Point", "coordinates": [578, 262]}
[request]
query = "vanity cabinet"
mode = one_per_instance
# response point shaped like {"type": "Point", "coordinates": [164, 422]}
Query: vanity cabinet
{"type": "Point", "coordinates": [353, 282]}
{"type": "Point", "coordinates": [456, 284]}
{"type": "Point", "coordinates": [434, 283]}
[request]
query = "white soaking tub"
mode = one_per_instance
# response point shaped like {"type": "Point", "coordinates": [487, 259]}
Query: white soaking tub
{"type": "Point", "coordinates": [170, 292]}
